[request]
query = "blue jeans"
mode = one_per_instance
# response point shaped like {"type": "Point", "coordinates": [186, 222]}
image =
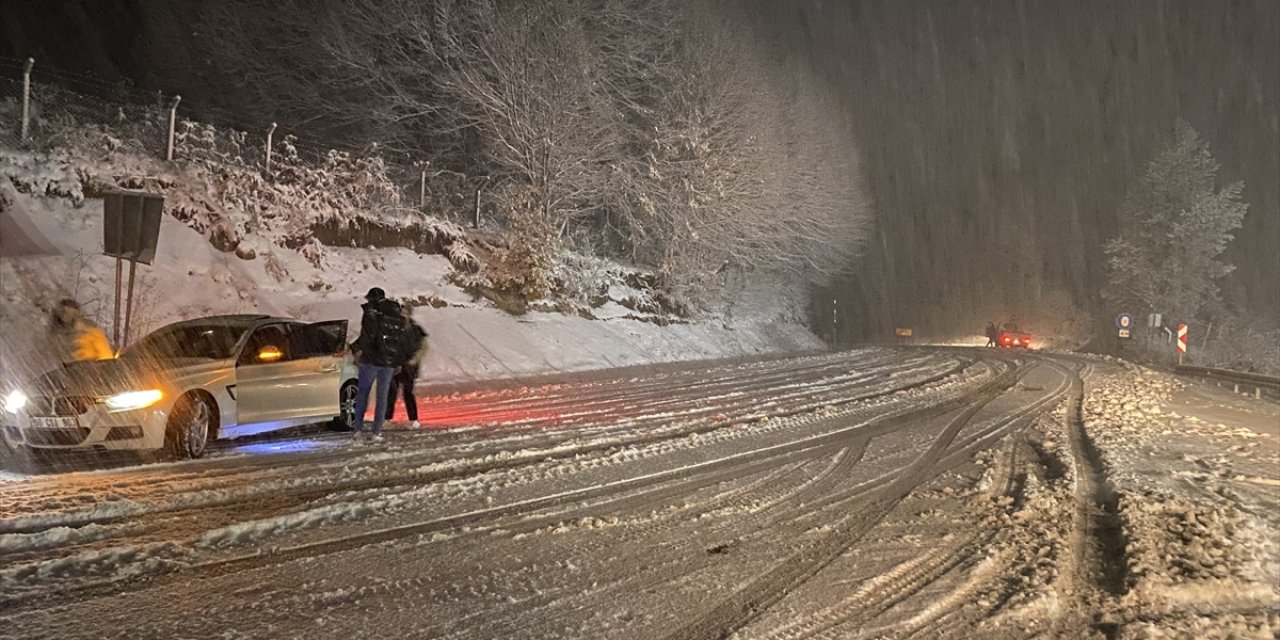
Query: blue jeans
{"type": "Point", "coordinates": [369, 375]}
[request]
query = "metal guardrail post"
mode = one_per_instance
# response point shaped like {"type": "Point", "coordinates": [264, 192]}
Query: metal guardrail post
{"type": "Point", "coordinates": [1236, 379]}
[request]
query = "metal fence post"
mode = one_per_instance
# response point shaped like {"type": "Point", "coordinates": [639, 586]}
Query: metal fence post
{"type": "Point", "coordinates": [173, 115]}
{"type": "Point", "coordinates": [26, 97]}
{"type": "Point", "coordinates": [270, 131]}
{"type": "Point", "coordinates": [475, 224]}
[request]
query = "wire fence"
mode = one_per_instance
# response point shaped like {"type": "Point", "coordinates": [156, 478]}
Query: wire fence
{"type": "Point", "coordinates": [38, 104]}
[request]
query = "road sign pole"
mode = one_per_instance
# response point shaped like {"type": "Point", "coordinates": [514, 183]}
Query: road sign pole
{"type": "Point", "coordinates": [115, 321]}
{"type": "Point", "coordinates": [128, 307]}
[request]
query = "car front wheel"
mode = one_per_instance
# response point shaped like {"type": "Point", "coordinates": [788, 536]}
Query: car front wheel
{"type": "Point", "coordinates": [190, 427]}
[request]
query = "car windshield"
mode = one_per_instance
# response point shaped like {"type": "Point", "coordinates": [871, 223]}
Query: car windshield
{"type": "Point", "coordinates": [214, 342]}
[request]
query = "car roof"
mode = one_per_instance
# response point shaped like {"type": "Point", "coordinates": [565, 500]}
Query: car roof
{"type": "Point", "coordinates": [236, 320]}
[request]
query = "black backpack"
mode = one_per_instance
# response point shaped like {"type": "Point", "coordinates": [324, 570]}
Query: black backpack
{"type": "Point", "coordinates": [395, 341]}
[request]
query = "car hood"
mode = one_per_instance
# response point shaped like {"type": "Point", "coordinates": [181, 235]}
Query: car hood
{"type": "Point", "coordinates": [105, 377]}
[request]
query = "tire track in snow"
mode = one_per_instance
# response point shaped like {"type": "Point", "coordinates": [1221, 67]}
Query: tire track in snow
{"type": "Point", "coordinates": [282, 467]}
{"type": "Point", "coordinates": [916, 574]}
{"type": "Point", "coordinates": [273, 500]}
{"type": "Point", "coordinates": [330, 546]}
{"type": "Point", "coordinates": [747, 603]}
{"type": "Point", "coordinates": [1097, 571]}
{"type": "Point", "coordinates": [668, 563]}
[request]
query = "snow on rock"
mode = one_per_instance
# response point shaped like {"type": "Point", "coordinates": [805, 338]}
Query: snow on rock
{"type": "Point", "coordinates": [1127, 409]}
{"type": "Point", "coordinates": [1174, 541]}
{"type": "Point", "coordinates": [1202, 627]}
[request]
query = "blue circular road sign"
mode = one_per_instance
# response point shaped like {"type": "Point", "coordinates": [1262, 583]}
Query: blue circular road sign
{"type": "Point", "coordinates": [1124, 321]}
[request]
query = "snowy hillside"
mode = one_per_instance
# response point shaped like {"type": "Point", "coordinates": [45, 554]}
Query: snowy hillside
{"type": "Point", "coordinates": [209, 263]}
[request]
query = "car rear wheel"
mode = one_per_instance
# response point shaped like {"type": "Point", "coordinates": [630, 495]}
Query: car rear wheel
{"type": "Point", "coordinates": [190, 426]}
{"type": "Point", "coordinates": [346, 420]}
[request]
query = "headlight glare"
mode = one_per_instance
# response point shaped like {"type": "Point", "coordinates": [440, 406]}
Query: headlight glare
{"type": "Point", "coordinates": [15, 401]}
{"type": "Point", "coordinates": [133, 400]}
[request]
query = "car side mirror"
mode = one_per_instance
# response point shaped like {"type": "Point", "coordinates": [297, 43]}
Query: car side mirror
{"type": "Point", "coordinates": [270, 354]}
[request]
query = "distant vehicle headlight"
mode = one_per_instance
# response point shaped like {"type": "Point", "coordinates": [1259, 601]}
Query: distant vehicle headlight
{"type": "Point", "coordinates": [133, 400]}
{"type": "Point", "coordinates": [15, 401]}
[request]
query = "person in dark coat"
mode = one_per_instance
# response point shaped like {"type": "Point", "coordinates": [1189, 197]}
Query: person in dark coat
{"type": "Point", "coordinates": [407, 374]}
{"type": "Point", "coordinates": [376, 368]}
{"type": "Point", "coordinates": [992, 334]}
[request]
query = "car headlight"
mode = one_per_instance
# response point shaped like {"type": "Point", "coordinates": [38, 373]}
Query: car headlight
{"type": "Point", "coordinates": [15, 401]}
{"type": "Point", "coordinates": [133, 400]}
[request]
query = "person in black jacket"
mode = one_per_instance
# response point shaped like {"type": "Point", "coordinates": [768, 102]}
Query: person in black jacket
{"type": "Point", "coordinates": [376, 365]}
{"type": "Point", "coordinates": [407, 374]}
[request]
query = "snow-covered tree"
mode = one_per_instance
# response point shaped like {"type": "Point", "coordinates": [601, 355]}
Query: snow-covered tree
{"type": "Point", "coordinates": [1174, 225]}
{"type": "Point", "coordinates": [632, 121]}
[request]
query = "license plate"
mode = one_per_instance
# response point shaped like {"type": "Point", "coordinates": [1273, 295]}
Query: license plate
{"type": "Point", "coordinates": [68, 422]}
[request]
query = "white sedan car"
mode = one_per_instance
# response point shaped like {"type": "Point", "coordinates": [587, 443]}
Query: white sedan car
{"type": "Point", "coordinates": [188, 383]}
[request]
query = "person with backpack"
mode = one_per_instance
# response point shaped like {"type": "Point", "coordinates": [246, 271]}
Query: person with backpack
{"type": "Point", "coordinates": [383, 345]}
{"type": "Point", "coordinates": [407, 375]}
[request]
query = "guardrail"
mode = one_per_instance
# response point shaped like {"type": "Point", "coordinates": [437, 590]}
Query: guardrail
{"type": "Point", "coordinates": [1238, 379]}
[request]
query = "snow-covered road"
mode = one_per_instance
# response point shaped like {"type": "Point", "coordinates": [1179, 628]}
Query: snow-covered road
{"type": "Point", "coordinates": [874, 493]}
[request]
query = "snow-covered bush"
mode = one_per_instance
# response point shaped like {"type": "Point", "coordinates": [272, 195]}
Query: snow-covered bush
{"type": "Point", "coordinates": [1233, 344]}
{"type": "Point", "coordinates": [526, 263]}
{"type": "Point", "coordinates": [42, 174]}
{"type": "Point", "coordinates": [583, 281]}
{"type": "Point", "coordinates": [199, 142]}
{"type": "Point", "coordinates": [461, 257]}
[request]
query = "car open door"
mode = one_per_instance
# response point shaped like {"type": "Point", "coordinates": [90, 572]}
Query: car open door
{"type": "Point", "coordinates": [266, 375]}
{"type": "Point", "coordinates": [319, 349]}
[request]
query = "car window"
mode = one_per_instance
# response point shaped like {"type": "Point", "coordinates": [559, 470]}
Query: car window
{"type": "Point", "coordinates": [315, 340]}
{"type": "Point", "coordinates": [213, 341]}
{"type": "Point", "coordinates": [272, 335]}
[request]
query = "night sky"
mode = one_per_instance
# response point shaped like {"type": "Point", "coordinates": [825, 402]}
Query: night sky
{"type": "Point", "coordinates": [999, 138]}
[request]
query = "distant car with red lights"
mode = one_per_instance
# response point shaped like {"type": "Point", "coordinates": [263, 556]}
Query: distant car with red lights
{"type": "Point", "coordinates": [1010, 337]}
{"type": "Point", "coordinates": [1014, 340]}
